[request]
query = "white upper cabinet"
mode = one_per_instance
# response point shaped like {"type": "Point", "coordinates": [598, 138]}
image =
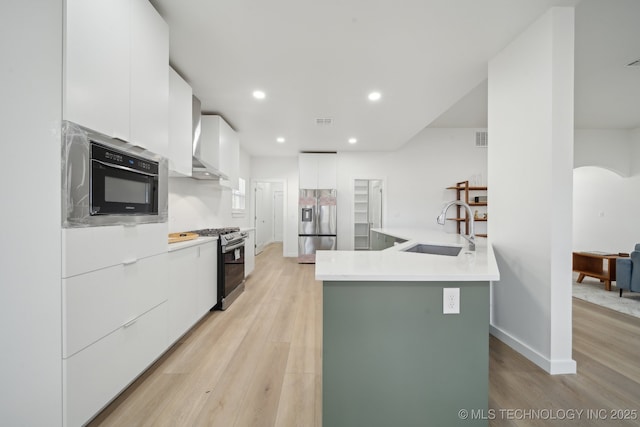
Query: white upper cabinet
{"type": "Point", "coordinates": [327, 170]}
{"type": "Point", "coordinates": [116, 78]}
{"type": "Point", "coordinates": [180, 143]}
{"type": "Point", "coordinates": [96, 70]}
{"type": "Point", "coordinates": [149, 96]}
{"type": "Point", "coordinates": [220, 148]}
{"type": "Point", "coordinates": [318, 170]}
{"type": "Point", "coordinates": [230, 152]}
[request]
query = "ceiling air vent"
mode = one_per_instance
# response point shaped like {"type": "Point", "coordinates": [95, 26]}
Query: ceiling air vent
{"type": "Point", "coordinates": [481, 139]}
{"type": "Point", "coordinates": [324, 121]}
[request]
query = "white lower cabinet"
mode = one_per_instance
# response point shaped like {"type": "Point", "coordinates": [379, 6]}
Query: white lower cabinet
{"type": "Point", "coordinates": [114, 312]}
{"type": "Point", "coordinates": [192, 286]}
{"type": "Point", "coordinates": [118, 319]}
{"type": "Point", "coordinates": [95, 375]}
{"type": "Point", "coordinates": [182, 291]}
{"type": "Point", "coordinates": [250, 252]}
{"type": "Point", "coordinates": [91, 248]}
{"type": "Point", "coordinates": [97, 303]}
{"type": "Point", "coordinates": [207, 280]}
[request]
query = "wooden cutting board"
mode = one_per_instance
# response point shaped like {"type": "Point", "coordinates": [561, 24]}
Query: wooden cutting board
{"type": "Point", "coordinates": [181, 237]}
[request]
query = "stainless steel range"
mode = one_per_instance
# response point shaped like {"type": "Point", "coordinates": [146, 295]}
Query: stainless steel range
{"type": "Point", "coordinates": [230, 263]}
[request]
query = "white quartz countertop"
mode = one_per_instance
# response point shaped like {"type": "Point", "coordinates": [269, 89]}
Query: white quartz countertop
{"type": "Point", "coordinates": [393, 264]}
{"type": "Point", "coordinates": [188, 243]}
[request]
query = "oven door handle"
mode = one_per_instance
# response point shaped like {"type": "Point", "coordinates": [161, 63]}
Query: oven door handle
{"type": "Point", "coordinates": [228, 248]}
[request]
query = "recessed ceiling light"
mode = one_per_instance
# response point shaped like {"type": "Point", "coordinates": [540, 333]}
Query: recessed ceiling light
{"type": "Point", "coordinates": [374, 96]}
{"type": "Point", "coordinates": [352, 140]}
{"type": "Point", "coordinates": [258, 94]}
{"type": "Point", "coordinates": [280, 140]}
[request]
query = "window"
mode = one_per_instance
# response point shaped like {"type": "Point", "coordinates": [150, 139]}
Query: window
{"type": "Point", "coordinates": [238, 199]}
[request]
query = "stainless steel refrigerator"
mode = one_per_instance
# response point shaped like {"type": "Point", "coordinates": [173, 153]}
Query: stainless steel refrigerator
{"type": "Point", "coordinates": [316, 223]}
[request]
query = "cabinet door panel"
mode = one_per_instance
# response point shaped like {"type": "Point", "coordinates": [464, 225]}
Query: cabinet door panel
{"type": "Point", "coordinates": [308, 171]}
{"type": "Point", "coordinates": [249, 252]}
{"type": "Point", "coordinates": [207, 277]}
{"type": "Point", "coordinates": [91, 248]}
{"type": "Point", "coordinates": [318, 170]}
{"type": "Point", "coordinates": [149, 78]}
{"type": "Point", "coordinates": [180, 112]}
{"type": "Point", "coordinates": [96, 65]}
{"type": "Point", "coordinates": [230, 155]}
{"type": "Point", "coordinates": [183, 277]}
{"type": "Point", "coordinates": [97, 374]}
{"type": "Point", "coordinates": [327, 171]}
{"type": "Point", "coordinates": [210, 140]}
{"type": "Point", "coordinates": [97, 303]}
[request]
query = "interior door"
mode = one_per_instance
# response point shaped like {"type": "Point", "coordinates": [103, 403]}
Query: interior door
{"type": "Point", "coordinates": [278, 215]}
{"type": "Point", "coordinates": [260, 222]}
{"type": "Point", "coordinates": [375, 203]}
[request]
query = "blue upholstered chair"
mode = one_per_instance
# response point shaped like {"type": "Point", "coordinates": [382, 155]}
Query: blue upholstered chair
{"type": "Point", "coordinates": [628, 271]}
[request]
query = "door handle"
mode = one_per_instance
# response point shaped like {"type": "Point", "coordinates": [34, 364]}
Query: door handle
{"type": "Point", "coordinates": [130, 261]}
{"type": "Point", "coordinates": [130, 322]}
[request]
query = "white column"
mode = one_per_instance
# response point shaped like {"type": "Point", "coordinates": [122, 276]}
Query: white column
{"type": "Point", "coordinates": [30, 248]}
{"type": "Point", "coordinates": [530, 190]}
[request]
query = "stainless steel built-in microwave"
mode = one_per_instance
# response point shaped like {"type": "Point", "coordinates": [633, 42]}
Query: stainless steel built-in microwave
{"type": "Point", "coordinates": [109, 182]}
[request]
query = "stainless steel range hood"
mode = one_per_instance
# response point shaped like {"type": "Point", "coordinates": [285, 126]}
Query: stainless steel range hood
{"type": "Point", "coordinates": [200, 168]}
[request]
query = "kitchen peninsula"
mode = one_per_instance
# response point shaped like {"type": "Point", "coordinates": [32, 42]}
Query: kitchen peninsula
{"type": "Point", "coordinates": [390, 355]}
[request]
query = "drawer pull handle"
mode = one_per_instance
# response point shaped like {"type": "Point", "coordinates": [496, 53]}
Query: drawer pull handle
{"type": "Point", "coordinates": [130, 261]}
{"type": "Point", "coordinates": [130, 322]}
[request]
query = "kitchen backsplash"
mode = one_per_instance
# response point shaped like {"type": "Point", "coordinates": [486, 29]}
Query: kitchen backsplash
{"type": "Point", "coordinates": [195, 204]}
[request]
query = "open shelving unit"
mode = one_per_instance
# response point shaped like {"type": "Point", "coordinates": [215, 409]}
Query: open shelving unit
{"type": "Point", "coordinates": [361, 214]}
{"type": "Point", "coordinates": [467, 194]}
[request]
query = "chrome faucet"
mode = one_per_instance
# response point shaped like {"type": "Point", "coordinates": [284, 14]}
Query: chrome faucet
{"type": "Point", "coordinates": [472, 235]}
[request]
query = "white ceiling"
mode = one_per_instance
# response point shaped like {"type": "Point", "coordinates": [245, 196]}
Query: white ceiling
{"type": "Point", "coordinates": [607, 92]}
{"type": "Point", "coordinates": [321, 59]}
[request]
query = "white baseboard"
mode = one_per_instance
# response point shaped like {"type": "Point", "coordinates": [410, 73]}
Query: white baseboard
{"type": "Point", "coordinates": [553, 367]}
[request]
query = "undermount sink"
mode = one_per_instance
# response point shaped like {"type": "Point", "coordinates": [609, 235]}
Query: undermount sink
{"type": "Point", "coordinates": [434, 249]}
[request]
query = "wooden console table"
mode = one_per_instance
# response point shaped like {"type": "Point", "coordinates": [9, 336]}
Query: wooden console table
{"type": "Point", "coordinates": [592, 264]}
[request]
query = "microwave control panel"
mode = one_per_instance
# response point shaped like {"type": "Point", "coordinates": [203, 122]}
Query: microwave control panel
{"type": "Point", "coordinates": [107, 155]}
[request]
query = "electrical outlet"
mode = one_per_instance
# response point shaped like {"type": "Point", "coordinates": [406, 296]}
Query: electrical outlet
{"type": "Point", "coordinates": [451, 301]}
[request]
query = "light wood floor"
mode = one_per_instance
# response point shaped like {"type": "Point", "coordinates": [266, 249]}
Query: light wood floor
{"type": "Point", "coordinates": [259, 364]}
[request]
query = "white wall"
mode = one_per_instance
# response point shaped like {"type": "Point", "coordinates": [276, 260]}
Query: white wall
{"type": "Point", "coordinates": [285, 169]}
{"type": "Point", "coordinates": [530, 182]}
{"type": "Point", "coordinates": [607, 148]}
{"type": "Point", "coordinates": [30, 284]}
{"type": "Point", "coordinates": [606, 181]}
{"type": "Point", "coordinates": [635, 151]}
{"type": "Point", "coordinates": [196, 204]}
{"type": "Point", "coordinates": [415, 179]}
{"type": "Point", "coordinates": [605, 207]}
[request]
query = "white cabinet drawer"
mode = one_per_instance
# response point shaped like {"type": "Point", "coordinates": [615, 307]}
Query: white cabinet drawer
{"type": "Point", "coordinates": [92, 248]}
{"type": "Point", "coordinates": [97, 303]}
{"type": "Point", "coordinates": [93, 377]}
